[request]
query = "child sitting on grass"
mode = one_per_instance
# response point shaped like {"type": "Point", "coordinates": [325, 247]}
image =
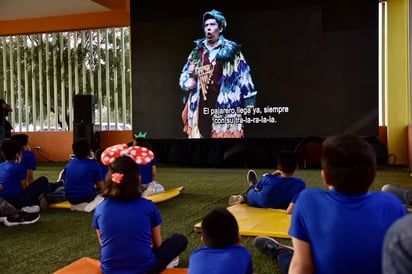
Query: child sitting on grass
{"type": "Point", "coordinates": [148, 171]}
{"type": "Point", "coordinates": [128, 225]}
{"type": "Point", "coordinates": [28, 159]}
{"type": "Point", "coordinates": [278, 190]}
{"type": "Point", "coordinates": [15, 188]}
{"type": "Point", "coordinates": [83, 178]}
{"type": "Point", "coordinates": [222, 252]}
{"type": "Point", "coordinates": [342, 229]}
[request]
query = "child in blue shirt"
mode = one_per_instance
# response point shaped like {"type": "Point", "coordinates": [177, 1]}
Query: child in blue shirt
{"type": "Point", "coordinates": [13, 178]}
{"type": "Point", "coordinates": [28, 159]}
{"type": "Point", "coordinates": [83, 177]}
{"type": "Point", "coordinates": [278, 190]}
{"type": "Point", "coordinates": [148, 171]}
{"type": "Point", "coordinates": [342, 229]}
{"type": "Point", "coordinates": [222, 252]}
{"type": "Point", "coordinates": [128, 225]}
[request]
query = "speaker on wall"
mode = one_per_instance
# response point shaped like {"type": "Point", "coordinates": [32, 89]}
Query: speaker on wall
{"type": "Point", "coordinates": [85, 130]}
{"type": "Point", "coordinates": [83, 105]}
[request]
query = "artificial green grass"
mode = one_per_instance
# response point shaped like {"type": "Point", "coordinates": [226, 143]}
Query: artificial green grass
{"type": "Point", "coordinates": [62, 236]}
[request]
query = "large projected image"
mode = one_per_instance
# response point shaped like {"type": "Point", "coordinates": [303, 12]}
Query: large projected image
{"type": "Point", "coordinates": [217, 80]}
{"type": "Point", "coordinates": [217, 71]}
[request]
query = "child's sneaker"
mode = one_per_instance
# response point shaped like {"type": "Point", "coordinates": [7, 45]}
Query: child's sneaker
{"type": "Point", "coordinates": [79, 207]}
{"type": "Point", "coordinates": [173, 263]}
{"type": "Point", "coordinates": [24, 218]}
{"type": "Point", "coordinates": [270, 246]}
{"type": "Point", "coordinates": [149, 190]}
{"type": "Point", "coordinates": [93, 204]}
{"type": "Point", "coordinates": [236, 199]}
{"type": "Point", "coordinates": [31, 209]}
{"type": "Point", "coordinates": [44, 204]}
{"type": "Point", "coordinates": [251, 177]}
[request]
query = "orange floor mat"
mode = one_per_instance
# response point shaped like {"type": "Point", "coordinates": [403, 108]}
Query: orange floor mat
{"type": "Point", "coordinates": [88, 265]}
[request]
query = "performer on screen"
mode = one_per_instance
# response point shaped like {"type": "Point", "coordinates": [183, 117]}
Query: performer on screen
{"type": "Point", "coordinates": [216, 80]}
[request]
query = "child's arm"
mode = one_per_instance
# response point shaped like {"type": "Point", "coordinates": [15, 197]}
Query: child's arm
{"type": "Point", "coordinates": [153, 172]}
{"type": "Point", "coordinates": [98, 237]}
{"type": "Point", "coordinates": [156, 237]}
{"type": "Point", "coordinates": [99, 184]}
{"type": "Point", "coordinates": [23, 184]}
{"type": "Point", "coordinates": [276, 172]}
{"type": "Point", "coordinates": [30, 176]}
{"type": "Point", "coordinates": [302, 258]}
{"type": "Point", "coordinates": [290, 208]}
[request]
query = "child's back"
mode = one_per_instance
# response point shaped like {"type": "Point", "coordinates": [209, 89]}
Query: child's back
{"type": "Point", "coordinates": [275, 191]}
{"type": "Point", "coordinates": [222, 252]}
{"type": "Point", "coordinates": [128, 226]}
{"type": "Point", "coordinates": [83, 177]}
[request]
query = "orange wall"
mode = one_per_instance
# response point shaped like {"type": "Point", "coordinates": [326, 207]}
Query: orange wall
{"type": "Point", "coordinates": [117, 16]}
{"type": "Point", "coordinates": [109, 138]}
{"type": "Point", "coordinates": [57, 146]}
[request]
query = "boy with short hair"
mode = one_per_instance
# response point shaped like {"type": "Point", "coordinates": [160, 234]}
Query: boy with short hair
{"type": "Point", "coordinates": [340, 230]}
{"type": "Point", "coordinates": [16, 190]}
{"type": "Point", "coordinates": [222, 252]}
{"type": "Point", "coordinates": [83, 177]}
{"type": "Point", "coordinates": [28, 159]}
{"type": "Point", "coordinates": [278, 190]}
{"type": "Point", "coordinates": [147, 171]}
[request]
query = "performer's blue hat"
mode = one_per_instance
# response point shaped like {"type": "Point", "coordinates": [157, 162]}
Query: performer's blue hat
{"type": "Point", "coordinates": [218, 15]}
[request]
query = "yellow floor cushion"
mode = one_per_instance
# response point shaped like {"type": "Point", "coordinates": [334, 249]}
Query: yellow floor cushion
{"type": "Point", "coordinates": [255, 221]}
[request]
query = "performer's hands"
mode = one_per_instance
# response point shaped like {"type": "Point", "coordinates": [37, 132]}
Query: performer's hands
{"type": "Point", "coordinates": [204, 92]}
{"type": "Point", "coordinates": [192, 70]}
{"type": "Point", "coordinates": [191, 82]}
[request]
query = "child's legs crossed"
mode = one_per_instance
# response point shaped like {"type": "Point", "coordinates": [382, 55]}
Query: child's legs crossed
{"type": "Point", "coordinates": [30, 195]}
{"type": "Point", "coordinates": [170, 249]}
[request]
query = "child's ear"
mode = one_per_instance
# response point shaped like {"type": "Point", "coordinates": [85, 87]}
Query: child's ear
{"type": "Point", "coordinates": [326, 180]}
{"type": "Point", "coordinates": [238, 239]}
{"type": "Point", "coordinates": [202, 240]}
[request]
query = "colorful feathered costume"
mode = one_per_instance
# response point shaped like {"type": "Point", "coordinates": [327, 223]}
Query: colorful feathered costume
{"type": "Point", "coordinates": [229, 89]}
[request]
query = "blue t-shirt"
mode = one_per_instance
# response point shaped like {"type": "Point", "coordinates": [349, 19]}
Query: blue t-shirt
{"type": "Point", "coordinates": [146, 172]}
{"type": "Point", "coordinates": [275, 191]}
{"type": "Point", "coordinates": [28, 160]}
{"type": "Point", "coordinates": [11, 174]}
{"type": "Point", "coordinates": [232, 259]}
{"type": "Point", "coordinates": [103, 169]}
{"type": "Point", "coordinates": [345, 232]}
{"type": "Point", "coordinates": [80, 177]}
{"type": "Point", "coordinates": [126, 234]}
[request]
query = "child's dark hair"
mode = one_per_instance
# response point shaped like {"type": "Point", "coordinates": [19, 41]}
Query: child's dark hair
{"type": "Point", "coordinates": [142, 142]}
{"type": "Point", "coordinates": [9, 149]}
{"type": "Point", "coordinates": [219, 228]}
{"type": "Point", "coordinates": [81, 148]}
{"type": "Point", "coordinates": [288, 161]}
{"type": "Point", "coordinates": [127, 186]}
{"type": "Point", "coordinates": [349, 161]}
{"type": "Point", "coordinates": [98, 155]}
{"type": "Point", "coordinates": [23, 139]}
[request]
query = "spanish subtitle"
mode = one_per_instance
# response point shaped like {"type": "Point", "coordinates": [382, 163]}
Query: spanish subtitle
{"type": "Point", "coordinates": [246, 115]}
